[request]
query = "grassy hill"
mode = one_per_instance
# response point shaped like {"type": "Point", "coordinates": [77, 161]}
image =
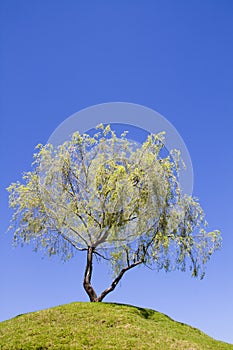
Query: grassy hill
{"type": "Point", "coordinates": [101, 326]}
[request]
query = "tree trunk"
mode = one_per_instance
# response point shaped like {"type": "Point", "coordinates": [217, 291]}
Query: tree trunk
{"type": "Point", "coordinates": [87, 276]}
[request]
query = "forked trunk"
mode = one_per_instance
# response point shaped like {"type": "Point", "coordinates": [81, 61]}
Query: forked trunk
{"type": "Point", "coordinates": [88, 274]}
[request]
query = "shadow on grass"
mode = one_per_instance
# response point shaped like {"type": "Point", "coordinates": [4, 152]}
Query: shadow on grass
{"type": "Point", "coordinates": [144, 312]}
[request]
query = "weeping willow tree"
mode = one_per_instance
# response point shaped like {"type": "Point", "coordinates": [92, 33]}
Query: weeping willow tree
{"type": "Point", "coordinates": [113, 199]}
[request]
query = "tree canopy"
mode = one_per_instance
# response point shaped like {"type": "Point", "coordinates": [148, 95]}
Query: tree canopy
{"type": "Point", "coordinates": [114, 199]}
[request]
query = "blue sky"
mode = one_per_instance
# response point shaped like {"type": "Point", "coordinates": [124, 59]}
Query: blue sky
{"type": "Point", "coordinates": [58, 57]}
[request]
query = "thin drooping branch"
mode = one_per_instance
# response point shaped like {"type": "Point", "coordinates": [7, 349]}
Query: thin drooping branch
{"type": "Point", "coordinates": [70, 241]}
{"type": "Point", "coordinates": [101, 255]}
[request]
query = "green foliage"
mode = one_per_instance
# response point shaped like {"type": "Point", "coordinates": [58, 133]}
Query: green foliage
{"type": "Point", "coordinates": [107, 193]}
{"type": "Point", "coordinates": [101, 326]}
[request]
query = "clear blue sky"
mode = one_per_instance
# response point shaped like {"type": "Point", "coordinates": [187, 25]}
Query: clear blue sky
{"type": "Point", "coordinates": [176, 57]}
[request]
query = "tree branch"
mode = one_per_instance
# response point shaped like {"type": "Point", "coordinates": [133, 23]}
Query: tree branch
{"type": "Point", "coordinates": [117, 280]}
{"type": "Point", "coordinates": [101, 255]}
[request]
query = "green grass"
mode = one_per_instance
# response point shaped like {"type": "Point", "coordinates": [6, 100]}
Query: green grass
{"type": "Point", "coordinates": [101, 326]}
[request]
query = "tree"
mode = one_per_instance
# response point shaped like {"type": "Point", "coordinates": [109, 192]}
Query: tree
{"type": "Point", "coordinates": [115, 200]}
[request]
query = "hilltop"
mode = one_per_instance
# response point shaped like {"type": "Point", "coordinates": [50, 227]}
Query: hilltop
{"type": "Point", "coordinates": [101, 326]}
